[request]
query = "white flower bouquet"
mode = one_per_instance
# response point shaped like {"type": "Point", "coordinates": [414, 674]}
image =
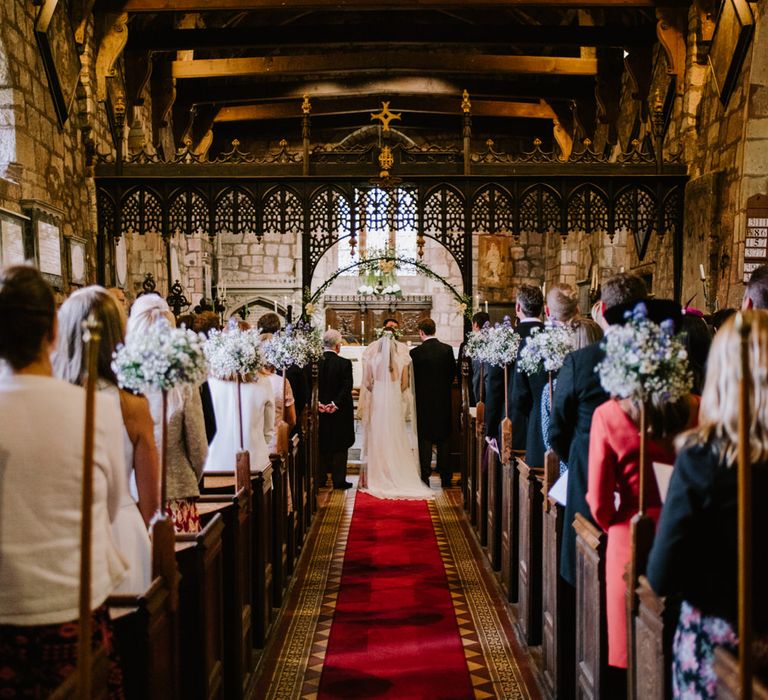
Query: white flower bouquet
{"type": "Point", "coordinates": [546, 349]}
{"type": "Point", "coordinates": [501, 344]}
{"type": "Point", "coordinates": [366, 289]}
{"type": "Point", "coordinates": [297, 345]}
{"type": "Point", "coordinates": [160, 359]}
{"type": "Point", "coordinates": [476, 344]}
{"type": "Point", "coordinates": [392, 331]}
{"type": "Point", "coordinates": [644, 361]}
{"type": "Point", "coordinates": [234, 353]}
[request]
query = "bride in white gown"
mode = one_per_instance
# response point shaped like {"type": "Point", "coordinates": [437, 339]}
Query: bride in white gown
{"type": "Point", "coordinates": [388, 412]}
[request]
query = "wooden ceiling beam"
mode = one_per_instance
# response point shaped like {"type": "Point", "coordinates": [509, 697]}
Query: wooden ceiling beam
{"type": "Point", "coordinates": [248, 5]}
{"type": "Point", "coordinates": [297, 37]}
{"type": "Point", "coordinates": [435, 105]}
{"type": "Point", "coordinates": [223, 92]}
{"type": "Point", "coordinates": [376, 63]}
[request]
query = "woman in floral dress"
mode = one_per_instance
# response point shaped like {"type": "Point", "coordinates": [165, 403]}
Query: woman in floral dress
{"type": "Point", "coordinates": [695, 551]}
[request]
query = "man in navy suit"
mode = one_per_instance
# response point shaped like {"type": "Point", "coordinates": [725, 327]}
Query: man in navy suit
{"type": "Point", "coordinates": [434, 370]}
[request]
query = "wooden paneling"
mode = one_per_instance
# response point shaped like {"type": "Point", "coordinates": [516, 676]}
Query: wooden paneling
{"type": "Point", "coordinates": [529, 554]}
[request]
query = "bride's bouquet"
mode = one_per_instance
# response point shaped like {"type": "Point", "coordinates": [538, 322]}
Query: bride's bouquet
{"type": "Point", "coordinates": [160, 359]}
{"type": "Point", "coordinates": [295, 345]}
{"type": "Point", "coordinates": [644, 361]}
{"type": "Point", "coordinates": [235, 353]}
{"type": "Point", "coordinates": [546, 349]}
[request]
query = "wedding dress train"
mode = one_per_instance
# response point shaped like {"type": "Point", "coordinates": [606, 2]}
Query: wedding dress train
{"type": "Point", "coordinates": [390, 447]}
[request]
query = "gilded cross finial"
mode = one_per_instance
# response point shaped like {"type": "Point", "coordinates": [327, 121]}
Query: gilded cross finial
{"type": "Point", "coordinates": [306, 106]}
{"type": "Point", "coordinates": [386, 161]}
{"type": "Point", "coordinates": [466, 105]}
{"type": "Point", "coordinates": [385, 116]}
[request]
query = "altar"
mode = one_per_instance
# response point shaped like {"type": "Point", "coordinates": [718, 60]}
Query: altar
{"type": "Point", "coordinates": [357, 316]}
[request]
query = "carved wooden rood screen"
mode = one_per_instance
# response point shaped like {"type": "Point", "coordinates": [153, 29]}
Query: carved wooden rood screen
{"type": "Point", "coordinates": [512, 196]}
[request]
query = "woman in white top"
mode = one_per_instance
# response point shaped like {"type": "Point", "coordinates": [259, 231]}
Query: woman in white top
{"type": "Point", "coordinates": [187, 442]}
{"type": "Point", "coordinates": [284, 410]}
{"type": "Point", "coordinates": [257, 400]}
{"type": "Point", "coordinates": [130, 527]}
{"type": "Point", "coordinates": [41, 433]}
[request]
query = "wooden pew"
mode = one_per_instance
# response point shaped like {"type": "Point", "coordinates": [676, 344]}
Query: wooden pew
{"type": "Point", "coordinates": [494, 510]}
{"type": "Point", "coordinates": [558, 615]}
{"type": "Point", "coordinates": [654, 630]}
{"type": "Point", "coordinates": [465, 431]}
{"type": "Point", "coordinates": [728, 686]}
{"type": "Point", "coordinates": [235, 512]}
{"type": "Point", "coordinates": [200, 560]}
{"type": "Point", "coordinates": [481, 490]}
{"type": "Point", "coordinates": [261, 543]}
{"type": "Point", "coordinates": [291, 519]}
{"type": "Point", "coordinates": [508, 563]}
{"type": "Point", "coordinates": [312, 457]}
{"type": "Point", "coordinates": [529, 524]}
{"type": "Point", "coordinates": [279, 528]}
{"type": "Point", "coordinates": [591, 633]}
{"type": "Point", "coordinates": [470, 504]}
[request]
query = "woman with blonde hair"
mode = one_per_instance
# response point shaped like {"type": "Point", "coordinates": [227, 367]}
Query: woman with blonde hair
{"type": "Point", "coordinates": [187, 445]}
{"type": "Point", "coordinates": [69, 363]}
{"type": "Point", "coordinates": [694, 554]}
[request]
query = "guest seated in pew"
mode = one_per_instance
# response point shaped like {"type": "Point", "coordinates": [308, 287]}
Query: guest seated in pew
{"type": "Point", "coordinates": [257, 403]}
{"type": "Point", "coordinates": [586, 332]}
{"type": "Point", "coordinates": [285, 410]}
{"type": "Point", "coordinates": [297, 377]}
{"type": "Point", "coordinates": [577, 396]}
{"type": "Point", "coordinates": [141, 460]}
{"type": "Point", "coordinates": [614, 467]}
{"type": "Point", "coordinates": [42, 422]}
{"type": "Point", "coordinates": [694, 554]}
{"type": "Point", "coordinates": [562, 306]}
{"type": "Point", "coordinates": [187, 445]}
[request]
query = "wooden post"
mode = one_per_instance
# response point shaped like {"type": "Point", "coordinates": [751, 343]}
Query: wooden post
{"type": "Point", "coordinates": [745, 516]}
{"type": "Point", "coordinates": [506, 424]}
{"type": "Point", "coordinates": [92, 337]}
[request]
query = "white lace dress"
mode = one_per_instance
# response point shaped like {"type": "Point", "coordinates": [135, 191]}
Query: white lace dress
{"type": "Point", "coordinates": [390, 448]}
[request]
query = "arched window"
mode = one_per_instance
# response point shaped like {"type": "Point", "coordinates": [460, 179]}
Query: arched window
{"type": "Point", "coordinates": [385, 219]}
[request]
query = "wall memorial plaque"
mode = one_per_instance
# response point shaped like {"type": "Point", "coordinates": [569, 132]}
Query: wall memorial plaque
{"type": "Point", "coordinates": [48, 248]}
{"type": "Point", "coordinates": [756, 241]}
{"type": "Point", "coordinates": [78, 270]}
{"type": "Point", "coordinates": [12, 239]}
{"type": "Point", "coordinates": [44, 244]}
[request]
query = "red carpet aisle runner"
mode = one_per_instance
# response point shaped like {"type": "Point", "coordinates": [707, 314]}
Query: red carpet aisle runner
{"type": "Point", "coordinates": [394, 632]}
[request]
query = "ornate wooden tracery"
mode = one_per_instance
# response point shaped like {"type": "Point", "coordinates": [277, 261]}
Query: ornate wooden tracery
{"type": "Point", "coordinates": [449, 209]}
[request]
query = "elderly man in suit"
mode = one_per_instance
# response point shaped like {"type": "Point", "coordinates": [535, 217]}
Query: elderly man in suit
{"type": "Point", "coordinates": [434, 369]}
{"type": "Point", "coordinates": [337, 422]}
{"type": "Point", "coordinates": [577, 395]}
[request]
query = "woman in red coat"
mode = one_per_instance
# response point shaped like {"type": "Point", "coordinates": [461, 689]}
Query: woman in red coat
{"type": "Point", "coordinates": [613, 492]}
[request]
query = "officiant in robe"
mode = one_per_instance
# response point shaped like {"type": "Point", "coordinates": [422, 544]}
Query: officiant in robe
{"type": "Point", "coordinates": [434, 369]}
{"type": "Point", "coordinates": [337, 422]}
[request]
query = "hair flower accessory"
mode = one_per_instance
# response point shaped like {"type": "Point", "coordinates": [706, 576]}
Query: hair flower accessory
{"type": "Point", "coordinates": [160, 359]}
{"type": "Point", "coordinates": [391, 331]}
{"type": "Point", "coordinates": [546, 349]}
{"type": "Point", "coordinates": [234, 353]}
{"type": "Point", "coordinates": [644, 361]}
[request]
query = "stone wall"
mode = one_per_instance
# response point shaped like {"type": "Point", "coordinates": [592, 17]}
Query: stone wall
{"type": "Point", "coordinates": [39, 159]}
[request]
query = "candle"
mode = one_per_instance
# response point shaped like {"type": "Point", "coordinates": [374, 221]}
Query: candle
{"type": "Point", "coordinates": [362, 329]}
{"type": "Point", "coordinates": [701, 272]}
{"type": "Point", "coordinates": [329, 326]}
{"type": "Point", "coordinates": [486, 306]}
{"type": "Point", "coordinates": [621, 269]}
{"type": "Point", "coordinates": [477, 301]}
{"type": "Point", "coordinates": [285, 301]}
{"type": "Point", "coordinates": [275, 305]}
{"type": "Point", "coordinates": [544, 289]}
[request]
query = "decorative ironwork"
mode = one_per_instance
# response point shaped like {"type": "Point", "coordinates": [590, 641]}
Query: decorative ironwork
{"type": "Point", "coordinates": [330, 218]}
{"type": "Point", "coordinates": [106, 211]}
{"type": "Point", "coordinates": [188, 214]}
{"type": "Point", "coordinates": [148, 286]}
{"type": "Point", "coordinates": [493, 210]}
{"type": "Point", "coordinates": [176, 299]}
{"type": "Point", "coordinates": [385, 161]}
{"type": "Point", "coordinates": [466, 105]}
{"type": "Point", "coordinates": [283, 212]}
{"type": "Point", "coordinates": [636, 213]}
{"type": "Point", "coordinates": [588, 210]}
{"type": "Point", "coordinates": [429, 154]}
{"type": "Point", "coordinates": [235, 212]}
{"type": "Point", "coordinates": [141, 212]}
{"type": "Point", "coordinates": [490, 155]}
{"type": "Point", "coordinates": [444, 219]}
{"type": "Point", "coordinates": [541, 211]}
{"type": "Point", "coordinates": [672, 210]}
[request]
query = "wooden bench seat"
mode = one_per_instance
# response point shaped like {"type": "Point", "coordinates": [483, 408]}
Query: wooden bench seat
{"type": "Point", "coordinates": [529, 574]}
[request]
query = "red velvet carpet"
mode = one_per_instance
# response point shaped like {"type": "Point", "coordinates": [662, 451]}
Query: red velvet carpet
{"type": "Point", "coordinates": [394, 632]}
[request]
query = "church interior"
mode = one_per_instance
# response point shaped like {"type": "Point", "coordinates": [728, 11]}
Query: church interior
{"type": "Point", "coordinates": [348, 165]}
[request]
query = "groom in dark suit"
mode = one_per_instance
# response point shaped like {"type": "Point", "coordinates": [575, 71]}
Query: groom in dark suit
{"type": "Point", "coordinates": [434, 369]}
{"type": "Point", "coordinates": [337, 422]}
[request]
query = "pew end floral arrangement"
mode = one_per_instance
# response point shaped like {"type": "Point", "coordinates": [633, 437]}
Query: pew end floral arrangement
{"type": "Point", "coordinates": [234, 354]}
{"type": "Point", "coordinates": [297, 344]}
{"type": "Point", "coordinates": [546, 349]}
